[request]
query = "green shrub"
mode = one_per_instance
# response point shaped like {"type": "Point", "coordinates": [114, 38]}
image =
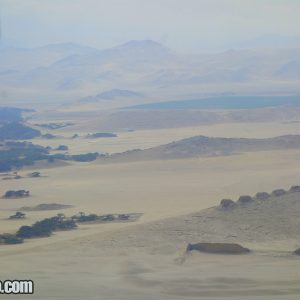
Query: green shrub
{"type": "Point", "coordinates": [10, 239]}
{"type": "Point", "coordinates": [17, 131]}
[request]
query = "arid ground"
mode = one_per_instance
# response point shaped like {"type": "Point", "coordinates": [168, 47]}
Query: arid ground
{"type": "Point", "coordinates": [140, 260]}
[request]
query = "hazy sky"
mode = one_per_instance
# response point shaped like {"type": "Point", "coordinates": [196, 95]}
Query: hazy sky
{"type": "Point", "coordinates": [184, 25]}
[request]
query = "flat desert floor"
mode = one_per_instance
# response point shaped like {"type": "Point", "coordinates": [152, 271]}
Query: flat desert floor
{"type": "Point", "coordinates": [91, 263]}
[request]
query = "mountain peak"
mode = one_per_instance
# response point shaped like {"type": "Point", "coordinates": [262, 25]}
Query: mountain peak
{"type": "Point", "coordinates": [146, 50]}
{"type": "Point", "coordinates": [142, 43]}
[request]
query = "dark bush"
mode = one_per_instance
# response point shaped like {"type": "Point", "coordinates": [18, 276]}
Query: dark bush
{"type": "Point", "coordinates": [279, 192]}
{"type": "Point", "coordinates": [294, 189]}
{"type": "Point", "coordinates": [262, 196]}
{"type": "Point", "coordinates": [45, 227]}
{"type": "Point", "coordinates": [85, 157]}
{"type": "Point", "coordinates": [20, 154]}
{"type": "Point", "coordinates": [34, 174]}
{"type": "Point", "coordinates": [123, 217]}
{"type": "Point", "coordinates": [10, 239]}
{"type": "Point", "coordinates": [27, 232]}
{"type": "Point", "coordinates": [17, 131]}
{"type": "Point", "coordinates": [227, 204]}
{"type": "Point", "coordinates": [16, 194]}
{"type": "Point", "coordinates": [108, 218]}
{"type": "Point", "coordinates": [245, 199]}
{"type": "Point", "coordinates": [18, 215]}
{"type": "Point", "coordinates": [62, 148]}
{"type": "Point", "coordinates": [85, 218]}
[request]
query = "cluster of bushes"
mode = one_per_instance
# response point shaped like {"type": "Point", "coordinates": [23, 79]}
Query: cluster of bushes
{"type": "Point", "coordinates": [46, 227]}
{"type": "Point", "coordinates": [19, 154]}
{"type": "Point", "coordinates": [87, 157]}
{"type": "Point", "coordinates": [10, 239]}
{"type": "Point", "coordinates": [82, 217]}
{"type": "Point", "coordinates": [42, 228]}
{"type": "Point", "coordinates": [246, 199]}
{"type": "Point", "coordinates": [17, 131]}
{"type": "Point", "coordinates": [12, 114]}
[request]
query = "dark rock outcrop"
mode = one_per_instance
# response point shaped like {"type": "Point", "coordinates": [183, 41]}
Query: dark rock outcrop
{"type": "Point", "coordinates": [297, 252]}
{"type": "Point", "coordinates": [218, 248]}
{"type": "Point", "coordinates": [245, 199]}
{"type": "Point", "coordinates": [262, 196]}
{"type": "Point", "coordinates": [278, 192]}
{"type": "Point", "coordinates": [227, 204]}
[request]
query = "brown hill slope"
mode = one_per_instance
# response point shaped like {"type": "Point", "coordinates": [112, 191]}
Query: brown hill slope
{"type": "Point", "coordinates": [207, 146]}
{"type": "Point", "coordinates": [261, 221]}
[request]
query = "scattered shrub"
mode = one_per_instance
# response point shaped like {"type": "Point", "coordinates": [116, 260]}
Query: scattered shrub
{"type": "Point", "coordinates": [227, 203]}
{"type": "Point", "coordinates": [262, 196]}
{"type": "Point", "coordinates": [62, 148]}
{"type": "Point", "coordinates": [278, 192]}
{"type": "Point", "coordinates": [294, 189]}
{"type": "Point", "coordinates": [18, 215]}
{"type": "Point", "coordinates": [245, 199]}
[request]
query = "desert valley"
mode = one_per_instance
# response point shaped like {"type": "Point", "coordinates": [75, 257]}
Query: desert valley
{"type": "Point", "coordinates": [175, 182]}
{"type": "Point", "coordinates": [138, 172]}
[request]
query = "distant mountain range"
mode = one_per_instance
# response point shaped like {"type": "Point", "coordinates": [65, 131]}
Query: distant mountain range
{"type": "Point", "coordinates": [270, 41]}
{"type": "Point", "coordinates": [22, 59]}
{"type": "Point", "coordinates": [142, 65]}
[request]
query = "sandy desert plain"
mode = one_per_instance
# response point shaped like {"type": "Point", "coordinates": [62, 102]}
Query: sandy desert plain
{"type": "Point", "coordinates": [147, 259]}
